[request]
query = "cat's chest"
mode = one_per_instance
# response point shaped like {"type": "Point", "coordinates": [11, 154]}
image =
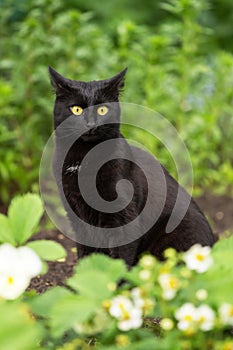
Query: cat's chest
{"type": "Point", "coordinates": [73, 163]}
{"type": "Point", "coordinates": [79, 174]}
{"type": "Point", "coordinates": [82, 174]}
{"type": "Point", "coordinates": [79, 165]}
{"type": "Point", "coordinates": [75, 172]}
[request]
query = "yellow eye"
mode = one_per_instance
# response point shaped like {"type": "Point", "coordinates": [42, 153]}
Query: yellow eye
{"type": "Point", "coordinates": [102, 110]}
{"type": "Point", "coordinates": [76, 110]}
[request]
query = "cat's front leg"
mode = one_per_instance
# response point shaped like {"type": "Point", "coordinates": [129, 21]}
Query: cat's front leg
{"type": "Point", "coordinates": [128, 252]}
{"type": "Point", "coordinates": [84, 250]}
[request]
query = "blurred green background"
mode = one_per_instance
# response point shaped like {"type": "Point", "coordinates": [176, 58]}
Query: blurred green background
{"type": "Point", "coordinates": [180, 60]}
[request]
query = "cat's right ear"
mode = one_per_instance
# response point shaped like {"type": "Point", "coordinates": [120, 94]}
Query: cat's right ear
{"type": "Point", "coordinates": [58, 82]}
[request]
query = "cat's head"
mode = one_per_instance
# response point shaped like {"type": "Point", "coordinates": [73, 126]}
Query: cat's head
{"type": "Point", "coordinates": [88, 106]}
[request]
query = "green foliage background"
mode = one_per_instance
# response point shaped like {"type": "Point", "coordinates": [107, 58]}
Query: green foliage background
{"type": "Point", "coordinates": [179, 54]}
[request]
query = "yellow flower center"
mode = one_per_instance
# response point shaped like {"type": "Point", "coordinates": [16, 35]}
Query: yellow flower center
{"type": "Point", "coordinates": [106, 304]}
{"type": "Point", "coordinates": [202, 319]}
{"type": "Point", "coordinates": [173, 284]}
{"type": "Point", "coordinates": [188, 318]}
{"type": "Point", "coordinates": [122, 340]}
{"type": "Point", "coordinates": [148, 304]}
{"type": "Point", "coordinates": [125, 313]}
{"type": "Point", "coordinates": [10, 280]}
{"type": "Point", "coordinates": [190, 332]}
{"type": "Point", "coordinates": [200, 257]}
{"type": "Point", "coordinates": [231, 311]}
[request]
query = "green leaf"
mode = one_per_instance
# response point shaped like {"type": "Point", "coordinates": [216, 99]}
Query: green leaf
{"type": "Point", "coordinates": [24, 215]}
{"type": "Point", "coordinates": [62, 309]}
{"type": "Point", "coordinates": [222, 253]}
{"type": "Point", "coordinates": [149, 343]}
{"type": "Point", "coordinates": [133, 276]}
{"type": "Point", "coordinates": [96, 274]}
{"type": "Point", "coordinates": [5, 231]}
{"type": "Point", "coordinates": [47, 249]}
{"type": "Point", "coordinates": [114, 268]}
{"type": "Point", "coordinates": [223, 244]}
{"type": "Point", "coordinates": [41, 305]}
{"type": "Point", "coordinates": [68, 311]}
{"type": "Point", "coordinates": [218, 283]}
{"type": "Point", "coordinates": [18, 331]}
{"type": "Point", "coordinates": [218, 279]}
{"type": "Point", "coordinates": [92, 284]}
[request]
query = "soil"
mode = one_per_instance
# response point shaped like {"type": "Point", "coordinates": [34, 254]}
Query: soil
{"type": "Point", "coordinates": [218, 209]}
{"type": "Point", "coordinates": [58, 272]}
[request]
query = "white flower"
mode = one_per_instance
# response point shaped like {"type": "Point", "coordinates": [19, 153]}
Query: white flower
{"type": "Point", "coordinates": [226, 314]}
{"type": "Point", "coordinates": [30, 261]}
{"type": "Point", "coordinates": [139, 300]}
{"type": "Point", "coordinates": [112, 286]}
{"type": "Point", "coordinates": [147, 261]}
{"type": "Point", "coordinates": [12, 285]}
{"type": "Point", "coordinates": [145, 275]}
{"type": "Point", "coordinates": [137, 297]}
{"type": "Point", "coordinates": [201, 294]}
{"type": "Point", "coordinates": [170, 284]}
{"type": "Point", "coordinates": [198, 258]}
{"type": "Point", "coordinates": [190, 317]}
{"type": "Point", "coordinates": [118, 305]}
{"type": "Point", "coordinates": [167, 324]}
{"type": "Point", "coordinates": [129, 316]}
{"type": "Point", "coordinates": [97, 324]}
{"type": "Point", "coordinates": [17, 267]}
{"type": "Point", "coordinates": [186, 315]}
{"type": "Point", "coordinates": [205, 317]}
{"type": "Point", "coordinates": [132, 321]}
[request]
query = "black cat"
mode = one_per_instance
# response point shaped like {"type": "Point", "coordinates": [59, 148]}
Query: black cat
{"type": "Point", "coordinates": [91, 109]}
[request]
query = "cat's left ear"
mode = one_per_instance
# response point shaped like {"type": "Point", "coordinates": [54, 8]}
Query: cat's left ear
{"type": "Point", "coordinates": [58, 82]}
{"type": "Point", "coordinates": [117, 82]}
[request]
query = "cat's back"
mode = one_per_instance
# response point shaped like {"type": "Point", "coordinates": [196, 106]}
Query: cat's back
{"type": "Point", "coordinates": [192, 226]}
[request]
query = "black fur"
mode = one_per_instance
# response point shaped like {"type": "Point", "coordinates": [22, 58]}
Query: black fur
{"type": "Point", "coordinates": [194, 227]}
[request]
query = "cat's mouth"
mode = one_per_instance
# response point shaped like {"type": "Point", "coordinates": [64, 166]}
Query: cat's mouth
{"type": "Point", "coordinates": [91, 135]}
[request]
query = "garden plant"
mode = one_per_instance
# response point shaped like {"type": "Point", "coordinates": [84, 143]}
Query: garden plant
{"type": "Point", "coordinates": [185, 302]}
{"type": "Point", "coordinates": [180, 64]}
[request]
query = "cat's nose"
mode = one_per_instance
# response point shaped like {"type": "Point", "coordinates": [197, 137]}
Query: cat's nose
{"type": "Point", "coordinates": [91, 124]}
